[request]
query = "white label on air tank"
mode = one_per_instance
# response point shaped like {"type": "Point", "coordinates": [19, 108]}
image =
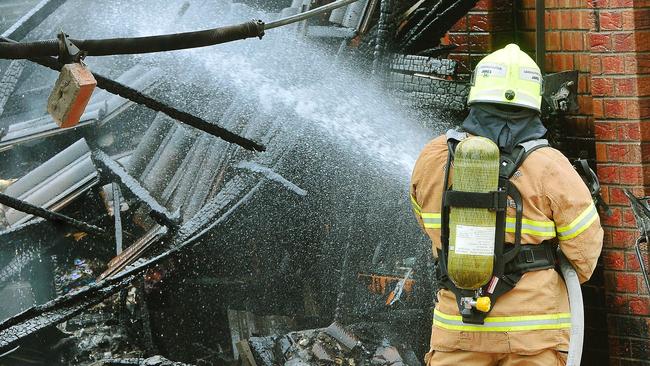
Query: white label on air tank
{"type": "Point", "coordinates": [526, 73]}
{"type": "Point", "coordinates": [490, 69]}
{"type": "Point", "coordinates": [475, 240]}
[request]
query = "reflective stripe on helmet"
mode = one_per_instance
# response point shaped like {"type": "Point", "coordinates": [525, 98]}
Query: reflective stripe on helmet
{"type": "Point", "coordinates": [580, 224]}
{"type": "Point", "coordinates": [504, 323]}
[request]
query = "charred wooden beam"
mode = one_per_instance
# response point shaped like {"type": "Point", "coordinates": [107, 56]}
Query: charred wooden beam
{"type": "Point", "coordinates": [115, 172]}
{"type": "Point", "coordinates": [52, 216]}
{"type": "Point", "coordinates": [117, 216]}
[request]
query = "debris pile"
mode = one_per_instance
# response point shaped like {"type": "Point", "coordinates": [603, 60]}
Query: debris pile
{"type": "Point", "coordinates": [332, 345]}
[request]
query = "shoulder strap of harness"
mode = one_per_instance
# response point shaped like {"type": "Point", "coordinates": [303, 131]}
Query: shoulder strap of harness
{"type": "Point", "coordinates": [501, 282]}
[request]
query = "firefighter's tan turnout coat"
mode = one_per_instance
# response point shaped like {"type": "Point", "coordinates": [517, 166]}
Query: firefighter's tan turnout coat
{"type": "Point", "coordinates": [534, 316]}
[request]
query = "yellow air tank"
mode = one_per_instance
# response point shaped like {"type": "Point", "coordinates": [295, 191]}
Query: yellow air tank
{"type": "Point", "coordinates": [472, 230]}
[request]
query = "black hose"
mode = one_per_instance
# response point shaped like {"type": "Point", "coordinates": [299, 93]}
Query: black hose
{"type": "Point", "coordinates": [125, 46]}
{"type": "Point", "coordinates": [156, 105]}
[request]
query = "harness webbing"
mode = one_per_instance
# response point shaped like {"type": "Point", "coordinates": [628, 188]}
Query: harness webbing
{"type": "Point", "coordinates": [501, 282]}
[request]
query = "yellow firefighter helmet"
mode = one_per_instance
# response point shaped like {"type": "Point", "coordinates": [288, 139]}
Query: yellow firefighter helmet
{"type": "Point", "coordinates": [507, 76]}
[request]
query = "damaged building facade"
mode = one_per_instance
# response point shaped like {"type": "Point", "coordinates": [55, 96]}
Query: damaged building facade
{"type": "Point", "coordinates": [159, 241]}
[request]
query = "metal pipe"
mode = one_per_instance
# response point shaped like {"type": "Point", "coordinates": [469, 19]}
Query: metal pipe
{"type": "Point", "coordinates": [540, 30]}
{"type": "Point", "coordinates": [308, 14]}
{"type": "Point", "coordinates": [577, 311]}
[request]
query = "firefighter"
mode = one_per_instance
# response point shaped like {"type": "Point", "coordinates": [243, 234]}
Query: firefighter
{"type": "Point", "coordinates": [525, 319]}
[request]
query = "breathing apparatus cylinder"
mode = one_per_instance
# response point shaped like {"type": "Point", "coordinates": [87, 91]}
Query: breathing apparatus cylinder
{"type": "Point", "coordinates": [472, 230]}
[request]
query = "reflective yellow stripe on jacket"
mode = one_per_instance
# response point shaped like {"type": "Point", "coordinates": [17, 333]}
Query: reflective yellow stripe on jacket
{"type": "Point", "coordinates": [580, 224]}
{"type": "Point", "coordinates": [544, 229]}
{"type": "Point", "coordinates": [504, 323]}
{"type": "Point", "coordinates": [431, 220]}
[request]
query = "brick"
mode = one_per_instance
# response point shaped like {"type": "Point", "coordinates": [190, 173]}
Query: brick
{"type": "Point", "coordinates": [622, 238]}
{"type": "Point", "coordinates": [553, 42]}
{"type": "Point", "coordinates": [610, 20]}
{"type": "Point", "coordinates": [629, 131]}
{"type": "Point", "coordinates": [617, 196]}
{"type": "Point", "coordinates": [624, 282]}
{"type": "Point", "coordinates": [585, 104]}
{"type": "Point", "coordinates": [615, 108]}
{"type": "Point", "coordinates": [600, 42]}
{"type": "Point", "coordinates": [614, 259]}
{"type": "Point", "coordinates": [601, 153]}
{"type": "Point", "coordinates": [605, 131]}
{"type": "Point", "coordinates": [479, 23]}
{"type": "Point", "coordinates": [573, 41]}
{"type": "Point", "coordinates": [641, 19]}
{"type": "Point", "coordinates": [639, 305]}
{"type": "Point", "coordinates": [615, 219]}
{"type": "Point", "coordinates": [632, 63]}
{"type": "Point", "coordinates": [623, 42]}
{"type": "Point", "coordinates": [642, 285]}
{"type": "Point", "coordinates": [643, 108]}
{"type": "Point", "coordinates": [613, 65]}
{"type": "Point", "coordinates": [643, 86]}
{"type": "Point", "coordinates": [618, 3]}
{"type": "Point", "coordinates": [582, 62]}
{"type": "Point", "coordinates": [562, 61]}
{"type": "Point", "coordinates": [645, 153]}
{"type": "Point", "coordinates": [617, 303]}
{"type": "Point", "coordinates": [598, 108]}
{"type": "Point", "coordinates": [608, 174]}
{"type": "Point", "coordinates": [584, 81]}
{"type": "Point", "coordinates": [632, 262]}
{"type": "Point", "coordinates": [584, 20]}
{"type": "Point", "coordinates": [602, 86]}
{"type": "Point", "coordinates": [596, 66]}
{"type": "Point", "coordinates": [625, 87]}
{"type": "Point", "coordinates": [474, 42]}
{"type": "Point", "coordinates": [628, 218]}
{"type": "Point", "coordinates": [460, 25]}
{"type": "Point", "coordinates": [624, 153]}
{"type": "Point", "coordinates": [642, 39]}
{"type": "Point", "coordinates": [630, 175]}
{"type": "Point", "coordinates": [552, 19]}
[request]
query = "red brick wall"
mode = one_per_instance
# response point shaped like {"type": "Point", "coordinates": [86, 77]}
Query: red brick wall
{"type": "Point", "coordinates": [608, 42]}
{"type": "Point", "coordinates": [619, 43]}
{"type": "Point", "coordinates": [485, 28]}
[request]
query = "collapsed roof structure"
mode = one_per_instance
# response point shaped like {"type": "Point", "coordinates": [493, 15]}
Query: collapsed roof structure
{"type": "Point", "coordinates": [158, 238]}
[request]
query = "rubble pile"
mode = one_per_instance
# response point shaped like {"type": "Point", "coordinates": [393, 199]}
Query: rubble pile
{"type": "Point", "coordinates": [335, 345]}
